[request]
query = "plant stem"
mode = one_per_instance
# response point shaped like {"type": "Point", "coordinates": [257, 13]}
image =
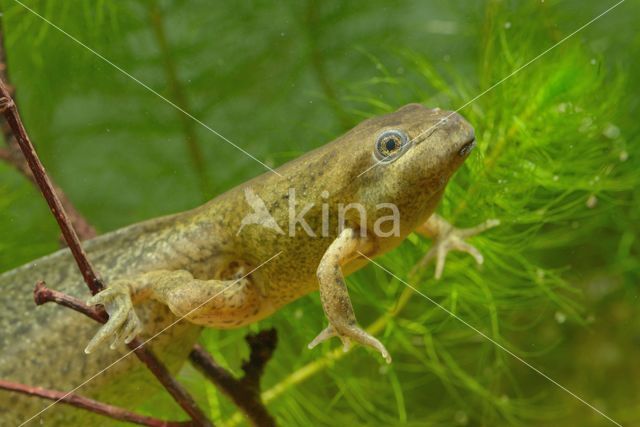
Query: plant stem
{"type": "Point", "coordinates": [11, 156]}
{"type": "Point", "coordinates": [318, 63]}
{"type": "Point", "coordinates": [43, 295]}
{"type": "Point", "coordinates": [179, 97]}
{"type": "Point", "coordinates": [312, 368]}
{"type": "Point", "coordinates": [91, 405]}
{"type": "Point", "coordinates": [244, 392]}
{"type": "Point", "coordinates": [10, 111]}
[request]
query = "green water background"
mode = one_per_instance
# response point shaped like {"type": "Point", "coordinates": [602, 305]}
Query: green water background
{"type": "Point", "coordinates": [558, 161]}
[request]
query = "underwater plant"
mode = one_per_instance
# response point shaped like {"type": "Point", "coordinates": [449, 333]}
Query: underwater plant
{"type": "Point", "coordinates": [557, 161]}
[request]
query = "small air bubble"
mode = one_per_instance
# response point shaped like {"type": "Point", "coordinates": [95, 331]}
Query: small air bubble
{"type": "Point", "coordinates": [592, 201]}
{"type": "Point", "coordinates": [611, 131]}
{"type": "Point", "coordinates": [556, 177]}
{"type": "Point", "coordinates": [623, 156]}
{"type": "Point", "coordinates": [298, 313]}
{"type": "Point", "coordinates": [593, 61]}
{"type": "Point", "coordinates": [282, 34]}
{"type": "Point", "coordinates": [383, 369]}
{"type": "Point", "coordinates": [507, 25]}
{"type": "Point", "coordinates": [560, 317]}
{"type": "Point", "coordinates": [447, 58]}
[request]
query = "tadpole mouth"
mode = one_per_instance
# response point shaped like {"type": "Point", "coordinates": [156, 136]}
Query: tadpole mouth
{"type": "Point", "coordinates": [466, 148]}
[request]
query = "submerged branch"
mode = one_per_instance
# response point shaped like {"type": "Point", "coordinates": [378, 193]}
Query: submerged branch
{"type": "Point", "coordinates": [11, 155]}
{"type": "Point", "coordinates": [244, 392]}
{"type": "Point", "coordinates": [181, 396]}
{"type": "Point", "coordinates": [43, 295]}
{"type": "Point", "coordinates": [9, 110]}
{"type": "Point", "coordinates": [316, 366]}
{"type": "Point", "coordinates": [90, 405]}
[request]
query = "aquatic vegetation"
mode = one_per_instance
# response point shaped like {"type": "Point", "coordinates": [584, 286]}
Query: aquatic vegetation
{"type": "Point", "coordinates": [558, 162]}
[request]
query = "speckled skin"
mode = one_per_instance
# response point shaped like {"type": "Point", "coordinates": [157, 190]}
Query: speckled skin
{"type": "Point", "coordinates": [183, 260]}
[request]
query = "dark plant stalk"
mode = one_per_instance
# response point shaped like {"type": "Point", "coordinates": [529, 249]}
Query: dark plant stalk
{"type": "Point", "coordinates": [9, 110]}
{"type": "Point", "coordinates": [177, 93]}
{"type": "Point", "coordinates": [244, 392]}
{"type": "Point", "coordinates": [12, 156]}
{"type": "Point", "coordinates": [91, 405]}
{"type": "Point", "coordinates": [312, 26]}
{"type": "Point", "coordinates": [43, 295]}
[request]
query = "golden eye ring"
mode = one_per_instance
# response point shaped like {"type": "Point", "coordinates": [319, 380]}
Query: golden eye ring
{"type": "Point", "coordinates": [390, 145]}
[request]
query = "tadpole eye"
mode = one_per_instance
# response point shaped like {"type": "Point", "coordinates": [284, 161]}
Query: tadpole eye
{"type": "Point", "coordinates": [390, 144]}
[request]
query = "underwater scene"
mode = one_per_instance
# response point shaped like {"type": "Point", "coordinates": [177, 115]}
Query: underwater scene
{"type": "Point", "coordinates": [452, 187]}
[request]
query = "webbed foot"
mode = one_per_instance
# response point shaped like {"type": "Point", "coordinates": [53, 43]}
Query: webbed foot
{"type": "Point", "coordinates": [348, 333]}
{"type": "Point", "coordinates": [123, 323]}
{"type": "Point", "coordinates": [451, 238]}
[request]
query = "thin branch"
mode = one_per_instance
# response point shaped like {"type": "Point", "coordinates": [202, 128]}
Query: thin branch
{"type": "Point", "coordinates": [177, 94]}
{"type": "Point", "coordinates": [9, 110]}
{"type": "Point", "coordinates": [90, 405]}
{"type": "Point", "coordinates": [244, 392]}
{"type": "Point", "coordinates": [11, 155]}
{"type": "Point", "coordinates": [43, 295]}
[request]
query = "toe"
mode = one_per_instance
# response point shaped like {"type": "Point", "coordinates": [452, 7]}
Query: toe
{"type": "Point", "coordinates": [471, 250]}
{"type": "Point", "coordinates": [134, 329]}
{"type": "Point", "coordinates": [326, 333]}
{"type": "Point", "coordinates": [346, 343]}
{"type": "Point", "coordinates": [127, 331]}
{"type": "Point", "coordinates": [468, 232]}
{"type": "Point", "coordinates": [101, 298]}
{"type": "Point", "coordinates": [114, 323]}
{"type": "Point", "coordinates": [440, 261]}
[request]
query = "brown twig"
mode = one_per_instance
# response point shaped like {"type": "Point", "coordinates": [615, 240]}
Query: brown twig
{"type": "Point", "coordinates": [90, 405]}
{"type": "Point", "coordinates": [10, 112]}
{"type": "Point", "coordinates": [244, 392]}
{"type": "Point", "coordinates": [12, 156]}
{"type": "Point", "coordinates": [43, 295]}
